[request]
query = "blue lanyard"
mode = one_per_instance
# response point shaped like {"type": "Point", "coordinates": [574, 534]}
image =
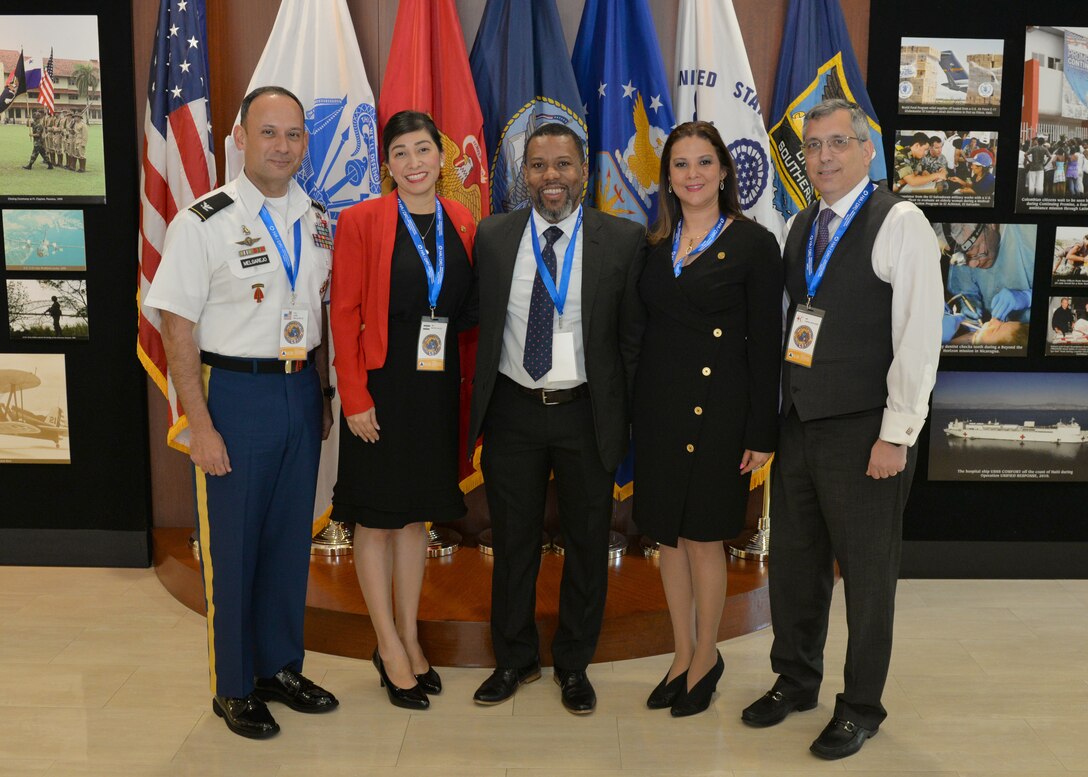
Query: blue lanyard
{"type": "Point", "coordinates": [435, 275]}
{"type": "Point", "coordinates": [814, 278]}
{"type": "Point", "coordinates": [292, 270]}
{"type": "Point", "coordinates": [711, 236]}
{"type": "Point", "coordinates": [559, 298]}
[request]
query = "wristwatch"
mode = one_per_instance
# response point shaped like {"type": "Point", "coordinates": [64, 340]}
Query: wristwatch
{"type": "Point", "coordinates": [329, 392]}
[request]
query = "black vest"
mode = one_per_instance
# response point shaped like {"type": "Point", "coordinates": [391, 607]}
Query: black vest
{"type": "Point", "coordinates": [854, 345]}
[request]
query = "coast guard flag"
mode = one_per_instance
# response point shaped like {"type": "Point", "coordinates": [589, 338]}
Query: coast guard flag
{"type": "Point", "coordinates": [429, 72]}
{"type": "Point", "coordinates": [523, 79]}
{"type": "Point", "coordinates": [178, 166]}
{"type": "Point", "coordinates": [714, 83]}
{"type": "Point", "coordinates": [625, 94]}
{"type": "Point", "coordinates": [313, 51]}
{"type": "Point", "coordinates": [817, 63]}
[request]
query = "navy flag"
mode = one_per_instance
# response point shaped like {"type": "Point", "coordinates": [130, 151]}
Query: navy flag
{"type": "Point", "coordinates": [625, 94]}
{"type": "Point", "coordinates": [817, 63]}
{"type": "Point", "coordinates": [15, 85]}
{"type": "Point", "coordinates": [523, 79]}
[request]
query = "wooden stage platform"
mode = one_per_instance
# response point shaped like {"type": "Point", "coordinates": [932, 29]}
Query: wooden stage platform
{"type": "Point", "coordinates": [455, 606]}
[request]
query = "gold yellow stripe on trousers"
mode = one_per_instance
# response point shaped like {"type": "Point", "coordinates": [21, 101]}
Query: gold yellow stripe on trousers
{"type": "Point", "coordinates": [205, 548]}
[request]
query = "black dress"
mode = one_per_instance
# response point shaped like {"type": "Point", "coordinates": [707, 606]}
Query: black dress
{"type": "Point", "coordinates": [707, 383]}
{"type": "Point", "coordinates": [410, 474]}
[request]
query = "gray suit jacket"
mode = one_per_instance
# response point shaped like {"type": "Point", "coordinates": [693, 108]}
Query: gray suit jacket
{"type": "Point", "coordinates": [613, 252]}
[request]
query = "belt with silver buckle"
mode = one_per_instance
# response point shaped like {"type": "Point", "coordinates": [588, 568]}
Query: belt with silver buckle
{"type": "Point", "coordinates": [553, 396]}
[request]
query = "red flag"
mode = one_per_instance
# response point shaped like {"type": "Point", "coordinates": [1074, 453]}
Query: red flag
{"type": "Point", "coordinates": [178, 167]}
{"type": "Point", "coordinates": [429, 72]}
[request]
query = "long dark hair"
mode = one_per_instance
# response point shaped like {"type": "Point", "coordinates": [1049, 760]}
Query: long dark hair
{"type": "Point", "coordinates": [668, 204]}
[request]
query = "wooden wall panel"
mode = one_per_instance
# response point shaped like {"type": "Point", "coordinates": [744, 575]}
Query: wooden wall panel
{"type": "Point", "coordinates": [237, 31]}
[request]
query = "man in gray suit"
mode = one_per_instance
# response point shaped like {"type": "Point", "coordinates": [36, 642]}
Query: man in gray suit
{"type": "Point", "coordinates": [864, 335]}
{"type": "Point", "coordinates": [559, 339]}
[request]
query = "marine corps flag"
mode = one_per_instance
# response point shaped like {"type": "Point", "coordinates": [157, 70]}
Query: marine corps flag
{"type": "Point", "coordinates": [521, 83]}
{"type": "Point", "coordinates": [15, 85]}
{"type": "Point", "coordinates": [714, 83]}
{"type": "Point", "coordinates": [625, 93]}
{"type": "Point", "coordinates": [817, 63]}
{"type": "Point", "coordinates": [429, 72]}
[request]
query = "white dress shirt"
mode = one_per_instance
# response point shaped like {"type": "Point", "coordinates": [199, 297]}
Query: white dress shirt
{"type": "Point", "coordinates": [906, 256]}
{"type": "Point", "coordinates": [521, 292]}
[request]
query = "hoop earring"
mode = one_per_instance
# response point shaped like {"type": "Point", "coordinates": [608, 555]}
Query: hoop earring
{"type": "Point", "coordinates": [721, 185]}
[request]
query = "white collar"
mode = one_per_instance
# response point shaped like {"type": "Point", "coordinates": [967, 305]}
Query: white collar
{"type": "Point", "coordinates": [842, 205]}
{"type": "Point", "coordinates": [253, 198]}
{"type": "Point", "coordinates": [567, 224]}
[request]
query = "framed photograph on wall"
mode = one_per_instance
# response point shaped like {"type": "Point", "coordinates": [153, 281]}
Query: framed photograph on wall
{"type": "Point", "coordinates": [945, 168]}
{"type": "Point", "coordinates": [33, 409]}
{"type": "Point", "coordinates": [950, 76]}
{"type": "Point", "coordinates": [44, 240]}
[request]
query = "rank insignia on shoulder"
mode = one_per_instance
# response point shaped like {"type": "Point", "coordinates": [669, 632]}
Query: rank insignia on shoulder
{"type": "Point", "coordinates": [317, 205]}
{"type": "Point", "coordinates": [208, 207]}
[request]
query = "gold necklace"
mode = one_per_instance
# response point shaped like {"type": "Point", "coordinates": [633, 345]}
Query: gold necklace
{"type": "Point", "coordinates": [693, 240]}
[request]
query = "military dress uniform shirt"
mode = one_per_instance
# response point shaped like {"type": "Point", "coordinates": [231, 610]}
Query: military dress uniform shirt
{"type": "Point", "coordinates": [221, 269]}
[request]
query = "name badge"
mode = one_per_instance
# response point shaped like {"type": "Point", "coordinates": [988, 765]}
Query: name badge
{"type": "Point", "coordinates": [293, 333]}
{"type": "Point", "coordinates": [431, 351]}
{"type": "Point", "coordinates": [801, 345]}
{"type": "Point", "coordinates": [563, 365]}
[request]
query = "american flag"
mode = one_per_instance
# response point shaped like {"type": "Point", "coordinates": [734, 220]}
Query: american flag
{"type": "Point", "coordinates": [45, 88]}
{"type": "Point", "coordinates": [178, 166]}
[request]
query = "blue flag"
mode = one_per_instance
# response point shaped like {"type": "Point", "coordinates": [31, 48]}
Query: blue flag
{"type": "Point", "coordinates": [625, 93]}
{"type": "Point", "coordinates": [523, 79]}
{"type": "Point", "coordinates": [817, 63]}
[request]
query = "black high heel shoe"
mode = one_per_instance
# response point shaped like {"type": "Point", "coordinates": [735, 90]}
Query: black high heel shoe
{"type": "Point", "coordinates": [698, 698]}
{"type": "Point", "coordinates": [430, 682]}
{"type": "Point", "coordinates": [413, 698]}
{"type": "Point", "coordinates": [666, 693]}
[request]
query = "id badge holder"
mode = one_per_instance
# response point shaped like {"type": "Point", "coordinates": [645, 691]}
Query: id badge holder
{"type": "Point", "coordinates": [293, 324]}
{"type": "Point", "coordinates": [801, 344]}
{"type": "Point", "coordinates": [431, 349]}
{"type": "Point", "coordinates": [563, 366]}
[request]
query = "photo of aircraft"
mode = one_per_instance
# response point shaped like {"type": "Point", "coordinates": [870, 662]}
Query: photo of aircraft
{"type": "Point", "coordinates": [956, 76]}
{"type": "Point", "coordinates": [44, 240]}
{"type": "Point", "coordinates": [17, 421]}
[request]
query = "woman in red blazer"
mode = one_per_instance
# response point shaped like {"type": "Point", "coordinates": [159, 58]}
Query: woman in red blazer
{"type": "Point", "coordinates": [402, 290]}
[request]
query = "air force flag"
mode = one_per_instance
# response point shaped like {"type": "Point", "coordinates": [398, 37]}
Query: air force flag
{"type": "Point", "coordinates": [714, 83]}
{"type": "Point", "coordinates": [313, 52]}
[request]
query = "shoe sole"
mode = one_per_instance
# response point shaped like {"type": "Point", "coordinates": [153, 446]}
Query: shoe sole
{"type": "Point", "coordinates": [267, 696]}
{"type": "Point", "coordinates": [525, 681]}
{"type": "Point", "coordinates": [834, 755]}
{"type": "Point", "coordinates": [809, 705]}
{"type": "Point", "coordinates": [568, 709]}
{"type": "Point", "coordinates": [243, 732]}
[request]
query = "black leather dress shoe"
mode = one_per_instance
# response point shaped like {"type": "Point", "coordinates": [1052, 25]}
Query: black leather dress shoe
{"type": "Point", "coordinates": [295, 691]}
{"type": "Point", "coordinates": [841, 738]}
{"type": "Point", "coordinates": [773, 707]}
{"type": "Point", "coordinates": [666, 693]}
{"type": "Point", "coordinates": [502, 683]}
{"type": "Point", "coordinates": [430, 682]}
{"type": "Point", "coordinates": [248, 717]}
{"type": "Point", "coordinates": [578, 694]}
{"type": "Point", "coordinates": [698, 698]}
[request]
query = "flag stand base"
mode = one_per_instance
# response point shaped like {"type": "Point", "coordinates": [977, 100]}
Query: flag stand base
{"type": "Point", "coordinates": [650, 549]}
{"type": "Point", "coordinates": [334, 540]}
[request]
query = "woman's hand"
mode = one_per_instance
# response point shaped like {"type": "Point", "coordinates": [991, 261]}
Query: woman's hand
{"type": "Point", "coordinates": [752, 460]}
{"type": "Point", "coordinates": [364, 425]}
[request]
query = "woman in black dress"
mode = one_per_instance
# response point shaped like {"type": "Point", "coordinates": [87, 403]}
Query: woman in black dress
{"type": "Point", "coordinates": [401, 291]}
{"type": "Point", "coordinates": [706, 393]}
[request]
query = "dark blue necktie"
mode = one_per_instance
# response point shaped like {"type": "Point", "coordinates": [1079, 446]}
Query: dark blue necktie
{"type": "Point", "coordinates": [822, 237]}
{"type": "Point", "coordinates": [537, 359]}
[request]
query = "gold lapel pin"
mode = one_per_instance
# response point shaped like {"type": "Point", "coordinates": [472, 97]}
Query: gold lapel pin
{"type": "Point", "coordinates": [721, 255]}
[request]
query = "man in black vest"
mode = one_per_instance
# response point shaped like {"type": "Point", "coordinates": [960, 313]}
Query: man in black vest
{"type": "Point", "coordinates": [864, 334]}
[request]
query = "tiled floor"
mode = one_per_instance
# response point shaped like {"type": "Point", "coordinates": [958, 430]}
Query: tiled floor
{"type": "Point", "coordinates": [105, 675]}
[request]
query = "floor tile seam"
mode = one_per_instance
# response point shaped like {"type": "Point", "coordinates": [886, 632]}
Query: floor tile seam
{"type": "Point", "coordinates": [118, 689]}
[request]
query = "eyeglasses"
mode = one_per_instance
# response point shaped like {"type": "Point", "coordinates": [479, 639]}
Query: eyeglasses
{"type": "Point", "coordinates": [836, 143]}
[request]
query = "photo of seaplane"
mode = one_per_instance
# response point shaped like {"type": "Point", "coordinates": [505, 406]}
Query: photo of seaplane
{"type": "Point", "coordinates": [1062, 432]}
{"type": "Point", "coordinates": [26, 435]}
{"type": "Point", "coordinates": [44, 240]}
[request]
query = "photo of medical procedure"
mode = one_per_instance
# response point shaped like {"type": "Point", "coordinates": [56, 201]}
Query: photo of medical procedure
{"type": "Point", "coordinates": [953, 76]}
{"type": "Point", "coordinates": [987, 270]}
{"type": "Point", "coordinates": [945, 168]}
{"type": "Point", "coordinates": [1070, 257]}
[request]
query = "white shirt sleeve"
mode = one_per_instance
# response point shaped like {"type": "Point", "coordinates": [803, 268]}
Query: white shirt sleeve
{"type": "Point", "coordinates": [183, 278]}
{"type": "Point", "coordinates": [906, 255]}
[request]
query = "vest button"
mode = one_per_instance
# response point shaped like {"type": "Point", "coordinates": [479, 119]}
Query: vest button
{"type": "Point", "coordinates": [717, 333]}
{"type": "Point", "coordinates": [706, 370]}
{"type": "Point", "coordinates": [690, 448]}
{"type": "Point", "coordinates": [698, 410]}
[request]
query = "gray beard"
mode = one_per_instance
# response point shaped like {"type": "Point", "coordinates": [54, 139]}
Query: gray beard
{"type": "Point", "coordinates": [552, 215]}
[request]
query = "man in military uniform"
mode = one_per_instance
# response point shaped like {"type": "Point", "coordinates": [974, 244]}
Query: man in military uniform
{"type": "Point", "coordinates": [47, 139]}
{"type": "Point", "coordinates": [79, 142]}
{"type": "Point", "coordinates": [933, 163]}
{"type": "Point", "coordinates": [241, 291]}
{"type": "Point", "coordinates": [909, 173]}
{"type": "Point", "coordinates": [69, 135]}
{"type": "Point", "coordinates": [37, 129]}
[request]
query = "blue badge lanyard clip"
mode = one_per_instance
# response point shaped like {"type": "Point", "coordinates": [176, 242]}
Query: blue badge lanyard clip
{"type": "Point", "coordinates": [291, 269]}
{"type": "Point", "coordinates": [711, 236]}
{"type": "Point", "coordinates": [559, 297]}
{"type": "Point", "coordinates": [813, 278]}
{"type": "Point", "coordinates": [435, 274]}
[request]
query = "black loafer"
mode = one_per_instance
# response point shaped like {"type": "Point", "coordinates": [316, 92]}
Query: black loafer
{"type": "Point", "coordinates": [578, 694]}
{"type": "Point", "coordinates": [773, 707]}
{"type": "Point", "coordinates": [248, 717]}
{"type": "Point", "coordinates": [296, 692]}
{"type": "Point", "coordinates": [841, 738]}
{"type": "Point", "coordinates": [502, 683]}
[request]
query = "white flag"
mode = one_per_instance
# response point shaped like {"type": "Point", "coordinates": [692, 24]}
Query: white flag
{"type": "Point", "coordinates": [313, 52]}
{"type": "Point", "coordinates": [714, 83]}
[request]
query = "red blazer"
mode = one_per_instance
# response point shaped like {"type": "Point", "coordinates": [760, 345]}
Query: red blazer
{"type": "Point", "coordinates": [359, 310]}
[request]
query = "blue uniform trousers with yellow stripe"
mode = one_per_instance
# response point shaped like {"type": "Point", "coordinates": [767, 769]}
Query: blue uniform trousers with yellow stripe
{"type": "Point", "coordinates": [255, 523]}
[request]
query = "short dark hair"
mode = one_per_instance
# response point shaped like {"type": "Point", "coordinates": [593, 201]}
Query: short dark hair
{"type": "Point", "coordinates": [249, 98]}
{"type": "Point", "coordinates": [919, 138]}
{"type": "Point", "coordinates": [555, 129]}
{"type": "Point", "coordinates": [403, 122]}
{"type": "Point", "coordinates": [935, 139]}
